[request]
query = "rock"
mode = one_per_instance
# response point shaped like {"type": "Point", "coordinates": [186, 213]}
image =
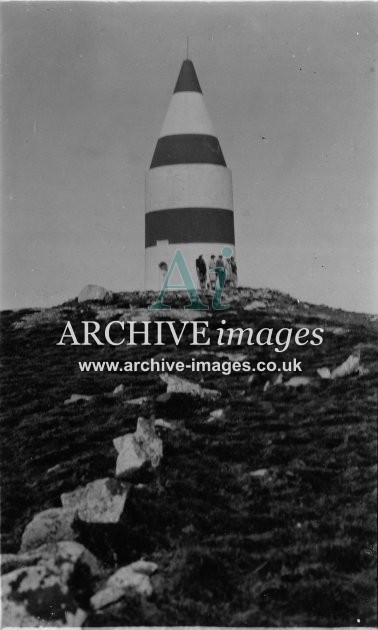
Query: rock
{"type": "Point", "coordinates": [217, 414]}
{"type": "Point", "coordinates": [50, 525]}
{"type": "Point", "coordinates": [31, 595]}
{"type": "Point", "coordinates": [189, 529]}
{"type": "Point", "coordinates": [76, 398]}
{"type": "Point", "coordinates": [163, 424]}
{"type": "Point", "coordinates": [137, 401]}
{"type": "Point", "coordinates": [100, 501]}
{"type": "Point", "coordinates": [43, 594]}
{"type": "Point", "coordinates": [76, 620]}
{"type": "Point", "coordinates": [255, 305]}
{"type": "Point", "coordinates": [139, 449]}
{"type": "Point", "coordinates": [260, 473]}
{"type": "Point", "coordinates": [177, 385]}
{"type": "Point", "coordinates": [362, 370]}
{"type": "Point", "coordinates": [233, 356]}
{"type": "Point", "coordinates": [144, 566]}
{"type": "Point", "coordinates": [298, 381]}
{"type": "Point", "coordinates": [349, 367]}
{"type": "Point", "coordinates": [324, 372]}
{"type": "Point", "coordinates": [133, 577]}
{"type": "Point", "coordinates": [276, 379]}
{"type": "Point", "coordinates": [120, 441]}
{"type": "Point", "coordinates": [145, 430]}
{"type": "Point", "coordinates": [54, 469]}
{"type": "Point", "coordinates": [200, 353]}
{"type": "Point", "coordinates": [337, 330]}
{"type": "Point", "coordinates": [118, 390]}
{"type": "Point", "coordinates": [11, 561]}
{"type": "Point", "coordinates": [106, 596]}
{"type": "Point", "coordinates": [94, 292]}
{"type": "Point", "coordinates": [44, 554]}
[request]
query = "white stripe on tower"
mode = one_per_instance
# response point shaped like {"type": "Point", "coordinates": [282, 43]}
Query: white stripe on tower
{"type": "Point", "coordinates": [189, 203]}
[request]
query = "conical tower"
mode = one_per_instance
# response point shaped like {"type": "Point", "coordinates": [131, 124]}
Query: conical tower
{"type": "Point", "coordinates": [189, 203]}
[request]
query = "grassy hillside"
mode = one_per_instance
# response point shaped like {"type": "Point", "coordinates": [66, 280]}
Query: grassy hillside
{"type": "Point", "coordinates": [293, 544]}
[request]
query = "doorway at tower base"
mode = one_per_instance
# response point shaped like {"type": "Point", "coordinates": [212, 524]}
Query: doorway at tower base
{"type": "Point", "coordinates": [160, 256]}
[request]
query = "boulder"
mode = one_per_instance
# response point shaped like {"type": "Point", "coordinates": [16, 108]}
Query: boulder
{"type": "Point", "coordinates": [43, 594]}
{"type": "Point", "coordinates": [139, 449]}
{"type": "Point", "coordinates": [177, 385]}
{"type": "Point", "coordinates": [94, 292]}
{"type": "Point", "coordinates": [131, 457]}
{"type": "Point", "coordinates": [145, 430]}
{"type": "Point", "coordinates": [134, 577]}
{"type": "Point", "coordinates": [65, 550]}
{"type": "Point", "coordinates": [50, 525]}
{"type": "Point", "coordinates": [100, 501]}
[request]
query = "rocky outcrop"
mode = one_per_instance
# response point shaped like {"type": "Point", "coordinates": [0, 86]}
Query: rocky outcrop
{"type": "Point", "coordinates": [95, 292]}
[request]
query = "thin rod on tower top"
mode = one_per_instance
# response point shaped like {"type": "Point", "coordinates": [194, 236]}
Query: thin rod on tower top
{"type": "Point", "coordinates": [187, 46]}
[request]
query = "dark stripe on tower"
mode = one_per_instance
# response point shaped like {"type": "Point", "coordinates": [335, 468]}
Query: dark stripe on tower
{"type": "Point", "coordinates": [187, 148]}
{"type": "Point", "coordinates": [190, 225]}
{"type": "Point", "coordinates": [187, 80]}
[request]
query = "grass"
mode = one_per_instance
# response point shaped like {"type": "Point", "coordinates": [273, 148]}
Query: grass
{"type": "Point", "coordinates": [294, 547]}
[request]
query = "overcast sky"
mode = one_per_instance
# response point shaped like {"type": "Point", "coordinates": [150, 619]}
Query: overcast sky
{"type": "Point", "coordinates": [291, 89]}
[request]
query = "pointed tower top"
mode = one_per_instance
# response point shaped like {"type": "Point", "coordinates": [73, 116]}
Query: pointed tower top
{"type": "Point", "coordinates": [187, 80]}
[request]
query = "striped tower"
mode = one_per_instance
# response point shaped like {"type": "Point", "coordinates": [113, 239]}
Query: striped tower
{"type": "Point", "coordinates": [189, 203]}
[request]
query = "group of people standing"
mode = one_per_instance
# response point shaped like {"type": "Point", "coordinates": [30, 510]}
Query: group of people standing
{"type": "Point", "coordinates": [204, 271]}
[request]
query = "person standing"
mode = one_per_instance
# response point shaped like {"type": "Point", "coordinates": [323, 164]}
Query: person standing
{"type": "Point", "coordinates": [220, 261]}
{"type": "Point", "coordinates": [201, 272]}
{"type": "Point", "coordinates": [234, 272]}
{"type": "Point", "coordinates": [212, 274]}
{"type": "Point", "coordinates": [227, 266]}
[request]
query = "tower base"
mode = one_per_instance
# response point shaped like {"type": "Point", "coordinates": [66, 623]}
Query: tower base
{"type": "Point", "coordinates": [165, 251]}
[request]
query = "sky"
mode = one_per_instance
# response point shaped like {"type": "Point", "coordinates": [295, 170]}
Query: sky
{"type": "Point", "coordinates": [291, 89]}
